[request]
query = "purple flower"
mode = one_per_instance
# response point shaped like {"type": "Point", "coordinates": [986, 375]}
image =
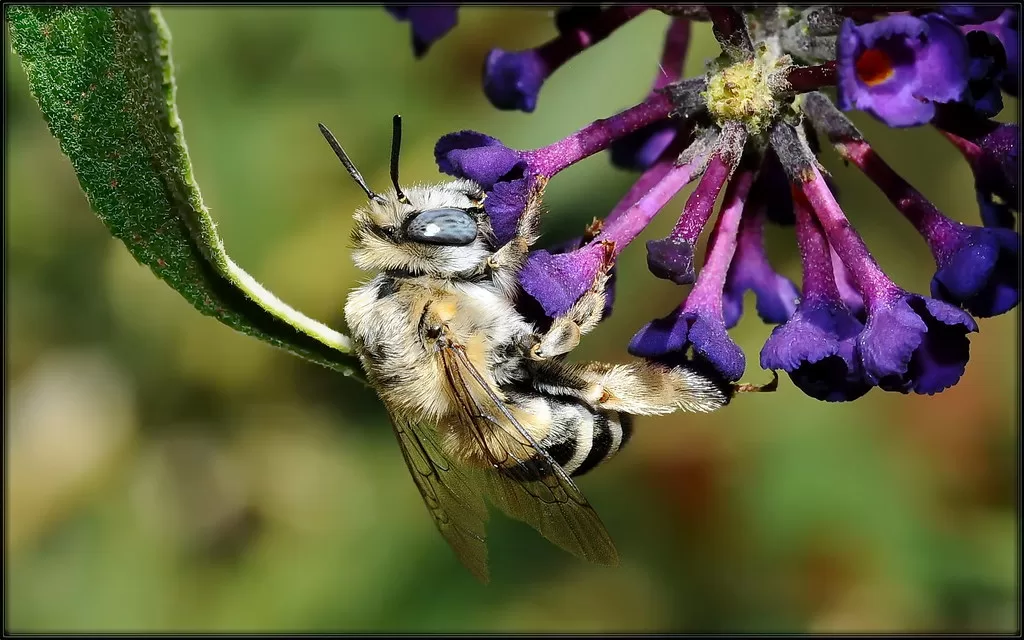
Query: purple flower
{"type": "Point", "coordinates": [914, 343]}
{"type": "Point", "coordinates": [852, 328]}
{"type": "Point", "coordinates": [986, 67]}
{"type": "Point", "coordinates": [897, 68]}
{"type": "Point", "coordinates": [429, 23]}
{"type": "Point", "coordinates": [699, 324]}
{"type": "Point", "coordinates": [507, 175]}
{"type": "Point", "coordinates": [1003, 28]}
{"type": "Point", "coordinates": [557, 280]}
{"type": "Point", "coordinates": [750, 270]}
{"type": "Point", "coordinates": [671, 257]}
{"type": "Point", "coordinates": [512, 79]}
{"type": "Point", "coordinates": [817, 346]}
{"type": "Point", "coordinates": [909, 342]}
{"type": "Point", "coordinates": [977, 268]}
{"type": "Point", "coordinates": [991, 150]}
{"type": "Point", "coordinates": [502, 172]}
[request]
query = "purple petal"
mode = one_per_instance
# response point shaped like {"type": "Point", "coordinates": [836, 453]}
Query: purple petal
{"type": "Point", "coordinates": [429, 23]}
{"type": "Point", "coordinates": [557, 281]}
{"type": "Point", "coordinates": [476, 156]}
{"type": "Point", "coordinates": [970, 14]}
{"type": "Point", "coordinates": [750, 270]}
{"type": "Point", "coordinates": [897, 67]}
{"type": "Point", "coordinates": [915, 344]}
{"type": "Point", "coordinates": [639, 150]}
{"type": "Point", "coordinates": [505, 204]}
{"type": "Point", "coordinates": [512, 79]}
{"type": "Point", "coordinates": [669, 338]}
{"type": "Point", "coordinates": [1004, 28]}
{"type": "Point", "coordinates": [710, 341]}
{"type": "Point", "coordinates": [982, 274]}
{"type": "Point", "coordinates": [662, 336]}
{"type": "Point", "coordinates": [817, 348]}
{"type": "Point", "coordinates": [940, 361]}
{"type": "Point", "coordinates": [888, 342]}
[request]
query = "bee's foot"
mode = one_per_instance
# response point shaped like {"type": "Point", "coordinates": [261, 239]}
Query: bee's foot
{"type": "Point", "coordinates": [768, 387]}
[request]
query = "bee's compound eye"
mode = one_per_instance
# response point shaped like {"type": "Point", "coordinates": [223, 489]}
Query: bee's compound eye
{"type": "Point", "coordinates": [453, 227]}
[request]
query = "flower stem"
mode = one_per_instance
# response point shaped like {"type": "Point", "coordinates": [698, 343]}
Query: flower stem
{"type": "Point", "coordinates": [598, 135]}
{"type": "Point", "coordinates": [563, 48]}
{"type": "Point", "coordinates": [624, 227]}
{"type": "Point", "coordinates": [804, 79]}
{"type": "Point", "coordinates": [707, 291]}
{"type": "Point", "coordinates": [701, 202]}
{"type": "Point", "coordinates": [730, 31]}
{"type": "Point", "coordinates": [819, 281]}
{"type": "Point", "coordinates": [673, 53]}
{"type": "Point", "coordinates": [937, 229]}
{"type": "Point", "coordinates": [869, 277]}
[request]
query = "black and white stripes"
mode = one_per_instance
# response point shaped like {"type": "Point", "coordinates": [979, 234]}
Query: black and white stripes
{"type": "Point", "coordinates": [580, 437]}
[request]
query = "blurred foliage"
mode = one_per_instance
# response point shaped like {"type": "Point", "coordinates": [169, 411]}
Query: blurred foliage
{"type": "Point", "coordinates": [165, 473]}
{"type": "Point", "coordinates": [104, 81]}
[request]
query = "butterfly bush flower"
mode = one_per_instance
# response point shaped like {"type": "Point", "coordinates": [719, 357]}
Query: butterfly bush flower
{"type": "Point", "coordinates": [428, 23]}
{"type": "Point", "coordinates": [747, 132]}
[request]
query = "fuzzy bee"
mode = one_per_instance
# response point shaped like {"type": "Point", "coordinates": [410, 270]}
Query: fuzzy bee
{"type": "Point", "coordinates": [483, 401]}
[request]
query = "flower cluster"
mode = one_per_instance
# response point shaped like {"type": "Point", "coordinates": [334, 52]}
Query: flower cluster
{"type": "Point", "coordinates": [750, 128]}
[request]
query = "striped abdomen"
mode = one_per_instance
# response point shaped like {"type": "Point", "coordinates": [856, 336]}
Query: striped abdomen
{"type": "Point", "coordinates": [581, 437]}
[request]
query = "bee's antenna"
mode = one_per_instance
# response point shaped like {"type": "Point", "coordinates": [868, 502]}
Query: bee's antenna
{"type": "Point", "coordinates": [396, 150]}
{"type": "Point", "coordinates": [351, 168]}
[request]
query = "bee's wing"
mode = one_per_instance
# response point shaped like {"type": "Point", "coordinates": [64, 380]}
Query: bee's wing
{"type": "Point", "coordinates": [453, 497]}
{"type": "Point", "coordinates": [548, 500]}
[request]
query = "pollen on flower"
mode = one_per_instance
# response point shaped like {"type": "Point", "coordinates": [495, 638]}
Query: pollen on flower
{"type": "Point", "coordinates": [746, 92]}
{"type": "Point", "coordinates": [874, 67]}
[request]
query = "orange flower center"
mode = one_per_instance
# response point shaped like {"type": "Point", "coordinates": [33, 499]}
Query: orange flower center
{"type": "Point", "coordinates": [874, 67]}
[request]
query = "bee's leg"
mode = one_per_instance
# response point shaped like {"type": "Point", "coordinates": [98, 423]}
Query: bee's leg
{"type": "Point", "coordinates": [580, 319]}
{"type": "Point", "coordinates": [637, 388]}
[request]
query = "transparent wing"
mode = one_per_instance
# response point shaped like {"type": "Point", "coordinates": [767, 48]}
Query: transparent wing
{"type": "Point", "coordinates": [538, 491]}
{"type": "Point", "coordinates": [453, 497]}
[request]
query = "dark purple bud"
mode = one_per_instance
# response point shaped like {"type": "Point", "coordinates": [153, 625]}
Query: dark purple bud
{"type": "Point", "coordinates": [429, 23]}
{"type": "Point", "coordinates": [699, 325]}
{"type": "Point", "coordinates": [979, 269]}
{"type": "Point", "coordinates": [671, 258]}
{"type": "Point", "coordinates": [642, 148]}
{"type": "Point", "coordinates": [1004, 28]}
{"type": "Point", "coordinates": [986, 67]}
{"type": "Point", "coordinates": [512, 79]}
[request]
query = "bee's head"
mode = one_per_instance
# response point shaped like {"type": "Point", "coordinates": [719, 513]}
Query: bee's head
{"type": "Point", "coordinates": [429, 229]}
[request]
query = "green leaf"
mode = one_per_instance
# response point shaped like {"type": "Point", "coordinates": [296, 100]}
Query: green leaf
{"type": "Point", "coordinates": [103, 79]}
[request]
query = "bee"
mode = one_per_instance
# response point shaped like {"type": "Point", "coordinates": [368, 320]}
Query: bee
{"type": "Point", "coordinates": [483, 402]}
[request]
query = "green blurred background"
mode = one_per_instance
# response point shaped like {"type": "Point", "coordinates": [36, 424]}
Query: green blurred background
{"type": "Point", "coordinates": [166, 473]}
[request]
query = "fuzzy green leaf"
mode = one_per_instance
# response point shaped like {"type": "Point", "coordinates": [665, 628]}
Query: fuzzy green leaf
{"type": "Point", "coordinates": [103, 79]}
